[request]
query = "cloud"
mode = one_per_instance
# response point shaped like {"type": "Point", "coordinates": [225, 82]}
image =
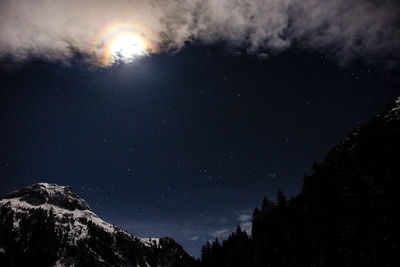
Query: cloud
{"type": "Point", "coordinates": [272, 174]}
{"type": "Point", "coordinates": [359, 28]}
{"type": "Point", "coordinates": [221, 233]}
{"type": "Point", "coordinates": [194, 238]}
{"type": "Point", "coordinates": [245, 222]}
{"type": "Point", "coordinates": [55, 30]}
{"type": "Point", "coordinates": [244, 217]}
{"type": "Point", "coordinates": [246, 226]}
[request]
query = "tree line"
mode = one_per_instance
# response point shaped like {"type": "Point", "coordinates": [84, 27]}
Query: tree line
{"type": "Point", "coordinates": [347, 213]}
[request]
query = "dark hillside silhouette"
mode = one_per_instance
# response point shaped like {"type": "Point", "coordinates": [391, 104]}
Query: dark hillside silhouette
{"type": "Point", "coordinates": [347, 213]}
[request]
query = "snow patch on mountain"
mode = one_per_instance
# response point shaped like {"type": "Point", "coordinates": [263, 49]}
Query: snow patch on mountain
{"type": "Point", "coordinates": [150, 241]}
{"type": "Point", "coordinates": [394, 112]}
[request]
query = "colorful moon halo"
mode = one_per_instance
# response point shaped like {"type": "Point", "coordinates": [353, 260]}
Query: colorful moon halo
{"type": "Point", "coordinates": [101, 46]}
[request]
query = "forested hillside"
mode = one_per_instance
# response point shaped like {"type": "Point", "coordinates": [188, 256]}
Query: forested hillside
{"type": "Point", "coordinates": [347, 213]}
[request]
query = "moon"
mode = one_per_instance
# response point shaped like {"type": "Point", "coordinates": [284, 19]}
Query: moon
{"type": "Point", "coordinates": [127, 47]}
{"type": "Point", "coordinates": [122, 42]}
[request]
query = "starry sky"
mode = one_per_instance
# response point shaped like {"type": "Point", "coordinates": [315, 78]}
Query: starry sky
{"type": "Point", "coordinates": [183, 144]}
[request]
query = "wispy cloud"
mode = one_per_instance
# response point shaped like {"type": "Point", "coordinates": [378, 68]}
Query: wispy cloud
{"type": "Point", "coordinates": [244, 217]}
{"type": "Point", "coordinates": [220, 233]}
{"type": "Point", "coordinates": [245, 222]}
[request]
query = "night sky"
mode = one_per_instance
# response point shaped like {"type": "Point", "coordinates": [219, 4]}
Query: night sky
{"type": "Point", "coordinates": [182, 144]}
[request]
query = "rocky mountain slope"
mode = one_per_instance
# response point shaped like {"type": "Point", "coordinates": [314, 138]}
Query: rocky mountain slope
{"type": "Point", "coordinates": [49, 225]}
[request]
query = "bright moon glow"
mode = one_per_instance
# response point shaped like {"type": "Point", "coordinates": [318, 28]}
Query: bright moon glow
{"type": "Point", "coordinates": [127, 46]}
{"type": "Point", "coordinates": [122, 42]}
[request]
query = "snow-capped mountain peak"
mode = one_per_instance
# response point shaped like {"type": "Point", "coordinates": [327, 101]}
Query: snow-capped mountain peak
{"type": "Point", "coordinates": [68, 209]}
{"type": "Point", "coordinates": [51, 214]}
{"type": "Point", "coordinates": [51, 194]}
